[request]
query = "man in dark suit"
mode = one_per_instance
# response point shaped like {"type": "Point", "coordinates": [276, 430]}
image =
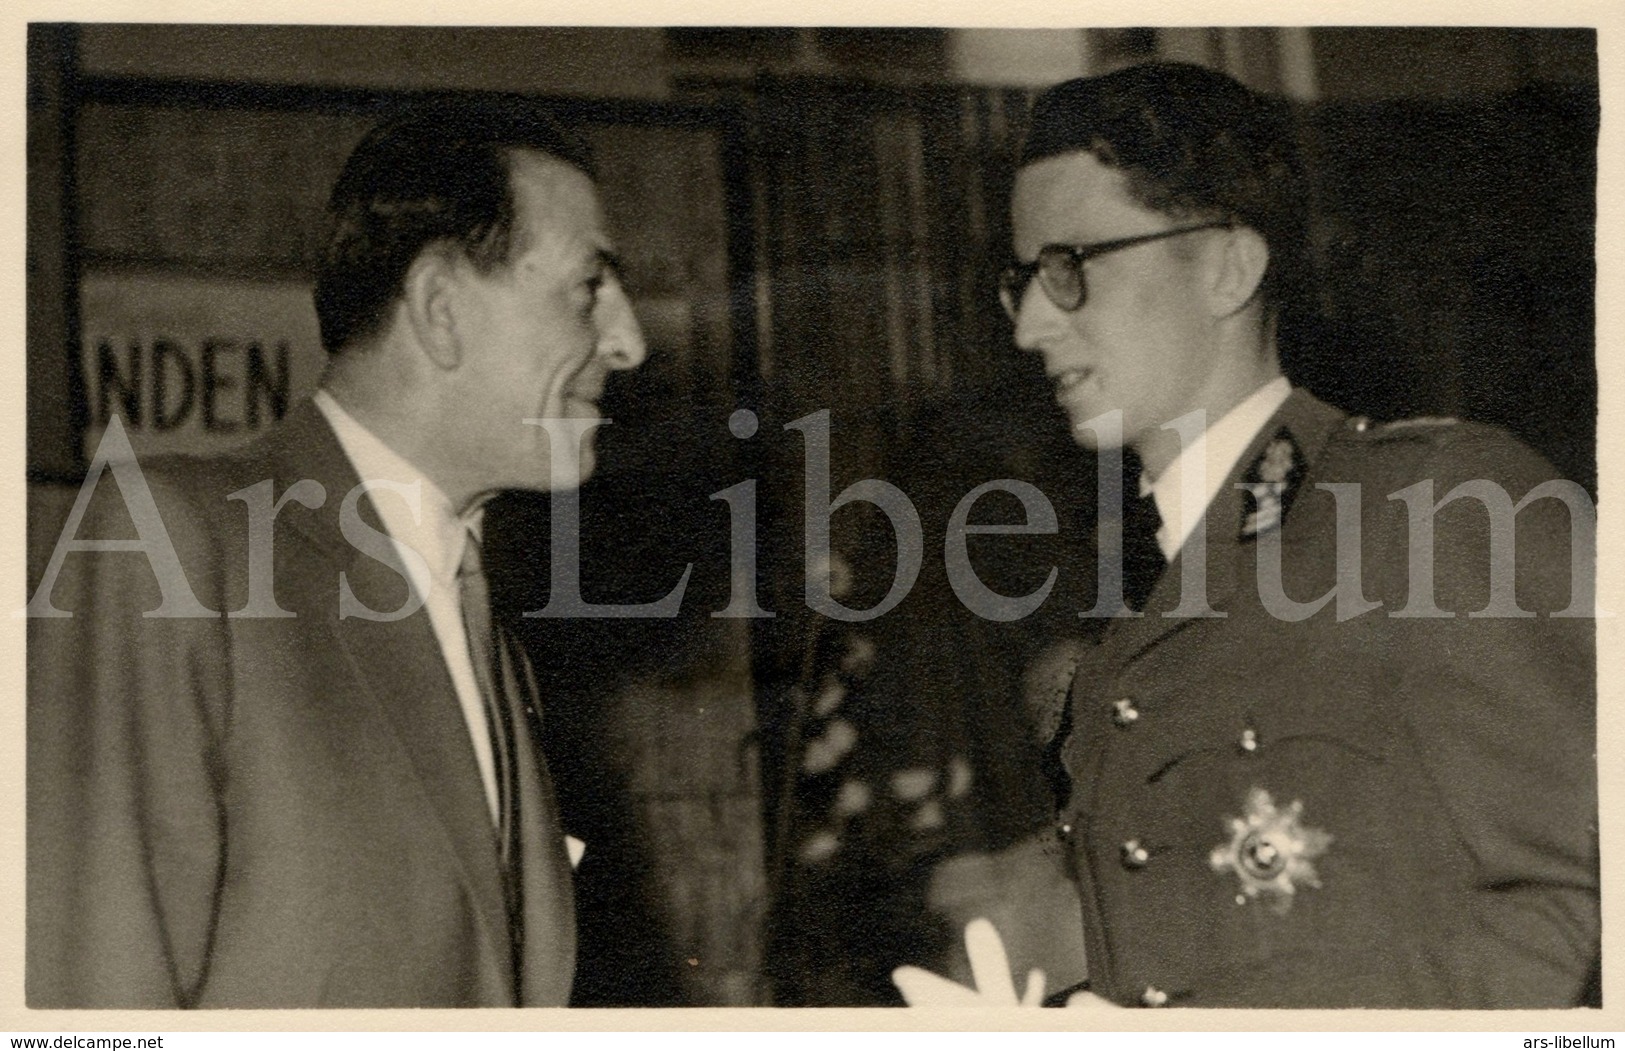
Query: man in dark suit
{"type": "Point", "coordinates": [313, 778]}
{"type": "Point", "coordinates": [1337, 746]}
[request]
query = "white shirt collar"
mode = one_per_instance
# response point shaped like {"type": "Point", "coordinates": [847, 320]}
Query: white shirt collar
{"type": "Point", "coordinates": [1207, 462]}
{"type": "Point", "coordinates": [435, 532]}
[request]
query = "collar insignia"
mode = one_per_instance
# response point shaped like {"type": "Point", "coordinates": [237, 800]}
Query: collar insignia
{"type": "Point", "coordinates": [1270, 851]}
{"type": "Point", "coordinates": [1270, 484]}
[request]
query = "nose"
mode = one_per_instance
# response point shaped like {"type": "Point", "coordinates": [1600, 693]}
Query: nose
{"type": "Point", "coordinates": [1038, 321]}
{"type": "Point", "coordinates": [620, 337]}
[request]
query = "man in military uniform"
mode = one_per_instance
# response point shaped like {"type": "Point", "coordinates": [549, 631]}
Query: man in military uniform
{"type": "Point", "coordinates": [1337, 747]}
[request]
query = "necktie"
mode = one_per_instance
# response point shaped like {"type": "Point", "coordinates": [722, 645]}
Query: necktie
{"type": "Point", "coordinates": [535, 872]}
{"type": "Point", "coordinates": [1143, 560]}
{"type": "Point", "coordinates": [494, 670]}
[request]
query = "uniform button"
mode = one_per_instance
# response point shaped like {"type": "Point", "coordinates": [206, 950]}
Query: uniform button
{"type": "Point", "coordinates": [1124, 713]}
{"type": "Point", "coordinates": [1135, 856]}
{"type": "Point", "coordinates": [1154, 997]}
{"type": "Point", "coordinates": [1249, 740]}
{"type": "Point", "coordinates": [1065, 829]}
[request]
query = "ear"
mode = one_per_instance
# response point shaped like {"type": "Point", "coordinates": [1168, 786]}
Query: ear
{"type": "Point", "coordinates": [1242, 260]}
{"type": "Point", "coordinates": [432, 303]}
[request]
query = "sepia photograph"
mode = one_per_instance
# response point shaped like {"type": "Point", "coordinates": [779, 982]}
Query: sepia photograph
{"type": "Point", "coordinates": [1097, 519]}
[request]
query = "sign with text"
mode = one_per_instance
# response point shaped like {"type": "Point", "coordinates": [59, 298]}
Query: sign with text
{"type": "Point", "coordinates": [194, 365]}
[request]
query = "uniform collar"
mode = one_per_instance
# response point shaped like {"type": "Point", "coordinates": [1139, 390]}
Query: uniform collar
{"type": "Point", "coordinates": [1186, 489]}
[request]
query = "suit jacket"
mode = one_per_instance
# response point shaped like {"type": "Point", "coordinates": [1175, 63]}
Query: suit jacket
{"type": "Point", "coordinates": [267, 811]}
{"type": "Point", "coordinates": [1374, 810]}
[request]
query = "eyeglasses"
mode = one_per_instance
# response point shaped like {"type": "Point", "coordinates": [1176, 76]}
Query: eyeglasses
{"type": "Point", "coordinates": [1060, 269]}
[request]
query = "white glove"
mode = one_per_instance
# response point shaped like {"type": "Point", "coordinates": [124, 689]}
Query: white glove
{"type": "Point", "coordinates": [990, 970]}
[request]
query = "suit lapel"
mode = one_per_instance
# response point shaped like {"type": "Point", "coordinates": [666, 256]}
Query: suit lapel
{"type": "Point", "coordinates": [400, 667]}
{"type": "Point", "coordinates": [547, 962]}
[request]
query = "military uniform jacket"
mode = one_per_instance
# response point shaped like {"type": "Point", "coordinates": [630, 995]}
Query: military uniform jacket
{"type": "Point", "coordinates": [267, 811]}
{"type": "Point", "coordinates": [1288, 807]}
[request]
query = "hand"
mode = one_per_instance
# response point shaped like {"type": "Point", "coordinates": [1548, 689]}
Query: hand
{"type": "Point", "coordinates": [990, 970]}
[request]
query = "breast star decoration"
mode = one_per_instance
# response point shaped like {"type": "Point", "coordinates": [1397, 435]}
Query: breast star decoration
{"type": "Point", "coordinates": [1270, 851]}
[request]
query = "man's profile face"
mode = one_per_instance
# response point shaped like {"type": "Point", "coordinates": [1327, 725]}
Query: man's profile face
{"type": "Point", "coordinates": [1140, 343]}
{"type": "Point", "coordinates": [541, 333]}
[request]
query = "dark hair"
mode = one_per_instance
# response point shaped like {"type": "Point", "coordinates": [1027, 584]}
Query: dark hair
{"type": "Point", "coordinates": [439, 174]}
{"type": "Point", "coordinates": [1192, 144]}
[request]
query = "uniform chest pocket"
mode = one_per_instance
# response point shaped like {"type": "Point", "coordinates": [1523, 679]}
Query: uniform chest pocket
{"type": "Point", "coordinates": [1347, 727]}
{"type": "Point", "coordinates": [1326, 752]}
{"type": "Point", "coordinates": [1254, 790]}
{"type": "Point", "coordinates": [1319, 738]}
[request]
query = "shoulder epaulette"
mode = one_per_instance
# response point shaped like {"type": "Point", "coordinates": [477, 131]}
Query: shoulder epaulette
{"type": "Point", "coordinates": [1391, 428]}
